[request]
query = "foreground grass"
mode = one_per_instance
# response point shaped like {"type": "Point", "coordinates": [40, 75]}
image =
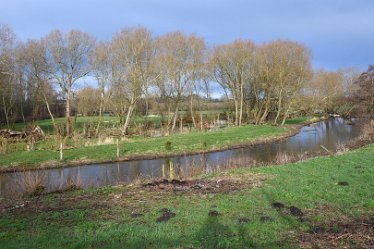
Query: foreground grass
{"type": "Point", "coordinates": [102, 218]}
{"type": "Point", "coordinates": [184, 143]}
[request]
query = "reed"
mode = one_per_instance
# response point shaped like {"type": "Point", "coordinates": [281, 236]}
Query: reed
{"type": "Point", "coordinates": [31, 183]}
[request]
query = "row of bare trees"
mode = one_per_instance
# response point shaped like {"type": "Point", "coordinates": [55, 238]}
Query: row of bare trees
{"type": "Point", "coordinates": [261, 82]}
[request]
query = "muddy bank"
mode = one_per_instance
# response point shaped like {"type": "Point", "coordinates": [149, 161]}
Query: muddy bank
{"type": "Point", "coordinates": [294, 129]}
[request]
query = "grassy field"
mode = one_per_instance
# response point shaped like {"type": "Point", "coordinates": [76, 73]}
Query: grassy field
{"type": "Point", "coordinates": [325, 202]}
{"type": "Point", "coordinates": [296, 120]}
{"type": "Point", "coordinates": [183, 143]}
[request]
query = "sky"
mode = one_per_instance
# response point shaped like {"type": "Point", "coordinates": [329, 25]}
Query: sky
{"type": "Point", "coordinates": [340, 33]}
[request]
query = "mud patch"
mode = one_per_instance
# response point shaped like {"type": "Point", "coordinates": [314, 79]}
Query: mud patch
{"type": "Point", "coordinates": [244, 220]}
{"type": "Point", "coordinates": [136, 215]}
{"type": "Point", "coordinates": [224, 184]}
{"type": "Point", "coordinates": [295, 211]}
{"type": "Point", "coordinates": [291, 210]}
{"type": "Point", "coordinates": [343, 183]}
{"type": "Point", "coordinates": [278, 205]}
{"type": "Point", "coordinates": [266, 218]}
{"type": "Point", "coordinates": [213, 213]}
{"type": "Point", "coordinates": [166, 215]}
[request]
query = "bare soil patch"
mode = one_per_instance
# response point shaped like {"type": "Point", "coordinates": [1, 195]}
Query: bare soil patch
{"type": "Point", "coordinates": [223, 184]}
{"type": "Point", "coordinates": [341, 231]}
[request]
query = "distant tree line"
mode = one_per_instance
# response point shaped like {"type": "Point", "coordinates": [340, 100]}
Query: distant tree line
{"type": "Point", "coordinates": [138, 72]}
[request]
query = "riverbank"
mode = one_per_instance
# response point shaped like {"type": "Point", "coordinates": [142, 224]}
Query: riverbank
{"type": "Point", "coordinates": [324, 202]}
{"type": "Point", "coordinates": [151, 148]}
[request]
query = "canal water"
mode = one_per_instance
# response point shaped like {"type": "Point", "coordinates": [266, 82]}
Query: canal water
{"type": "Point", "coordinates": [312, 139]}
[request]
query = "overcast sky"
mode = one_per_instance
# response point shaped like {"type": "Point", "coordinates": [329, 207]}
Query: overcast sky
{"type": "Point", "coordinates": [340, 33]}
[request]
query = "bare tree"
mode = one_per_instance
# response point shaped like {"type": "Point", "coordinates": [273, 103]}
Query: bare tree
{"type": "Point", "coordinates": [7, 76]}
{"type": "Point", "coordinates": [32, 56]}
{"type": "Point", "coordinates": [196, 73]}
{"type": "Point", "coordinates": [101, 61]}
{"type": "Point", "coordinates": [287, 66]}
{"type": "Point", "coordinates": [68, 60]}
{"type": "Point", "coordinates": [232, 69]}
{"type": "Point", "coordinates": [133, 52]}
{"type": "Point", "coordinates": [173, 58]}
{"type": "Point", "coordinates": [350, 75]}
{"type": "Point", "coordinates": [324, 89]}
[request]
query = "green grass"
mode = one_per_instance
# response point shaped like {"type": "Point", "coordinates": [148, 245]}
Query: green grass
{"type": "Point", "coordinates": [99, 218]}
{"type": "Point", "coordinates": [296, 120]}
{"type": "Point", "coordinates": [146, 146]}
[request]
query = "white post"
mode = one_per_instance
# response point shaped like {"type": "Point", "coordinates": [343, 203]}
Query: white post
{"type": "Point", "coordinates": [61, 154]}
{"type": "Point", "coordinates": [117, 148]}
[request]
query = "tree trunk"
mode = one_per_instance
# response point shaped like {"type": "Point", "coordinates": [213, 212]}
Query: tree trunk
{"type": "Point", "coordinates": [22, 112]}
{"type": "Point", "coordinates": [100, 116]}
{"type": "Point", "coordinates": [236, 112]}
{"type": "Point", "coordinates": [241, 105]}
{"type": "Point", "coordinates": [279, 107]}
{"type": "Point", "coordinates": [258, 114]}
{"type": "Point", "coordinates": [6, 113]}
{"type": "Point", "coordinates": [286, 113]}
{"type": "Point", "coordinates": [191, 110]}
{"type": "Point", "coordinates": [128, 117]}
{"type": "Point", "coordinates": [67, 114]}
{"type": "Point", "coordinates": [181, 124]}
{"type": "Point", "coordinates": [265, 114]}
{"type": "Point", "coordinates": [174, 118]}
{"type": "Point", "coordinates": [50, 113]}
{"type": "Point", "coordinates": [201, 121]}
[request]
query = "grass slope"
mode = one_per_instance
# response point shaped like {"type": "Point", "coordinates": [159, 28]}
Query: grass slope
{"type": "Point", "coordinates": [101, 218]}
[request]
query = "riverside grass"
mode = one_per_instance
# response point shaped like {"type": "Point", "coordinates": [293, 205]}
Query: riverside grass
{"type": "Point", "coordinates": [102, 218]}
{"type": "Point", "coordinates": [139, 146]}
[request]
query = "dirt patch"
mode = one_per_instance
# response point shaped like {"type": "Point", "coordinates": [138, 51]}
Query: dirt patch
{"type": "Point", "coordinates": [354, 233]}
{"type": "Point", "coordinates": [39, 204]}
{"type": "Point", "coordinates": [136, 215]}
{"type": "Point", "coordinates": [278, 205]}
{"type": "Point", "coordinates": [223, 184]}
{"type": "Point", "coordinates": [336, 230]}
{"type": "Point", "coordinates": [244, 220]}
{"type": "Point", "coordinates": [296, 211]}
{"type": "Point", "coordinates": [343, 183]}
{"type": "Point", "coordinates": [166, 215]}
{"type": "Point", "coordinates": [291, 210]}
{"type": "Point", "coordinates": [213, 213]}
{"type": "Point", "coordinates": [266, 218]}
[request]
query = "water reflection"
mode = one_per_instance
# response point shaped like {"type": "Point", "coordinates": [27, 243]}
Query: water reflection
{"type": "Point", "coordinates": [330, 133]}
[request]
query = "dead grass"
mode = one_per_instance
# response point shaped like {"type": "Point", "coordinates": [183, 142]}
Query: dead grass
{"type": "Point", "coordinates": [31, 182]}
{"type": "Point", "coordinates": [341, 231]}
